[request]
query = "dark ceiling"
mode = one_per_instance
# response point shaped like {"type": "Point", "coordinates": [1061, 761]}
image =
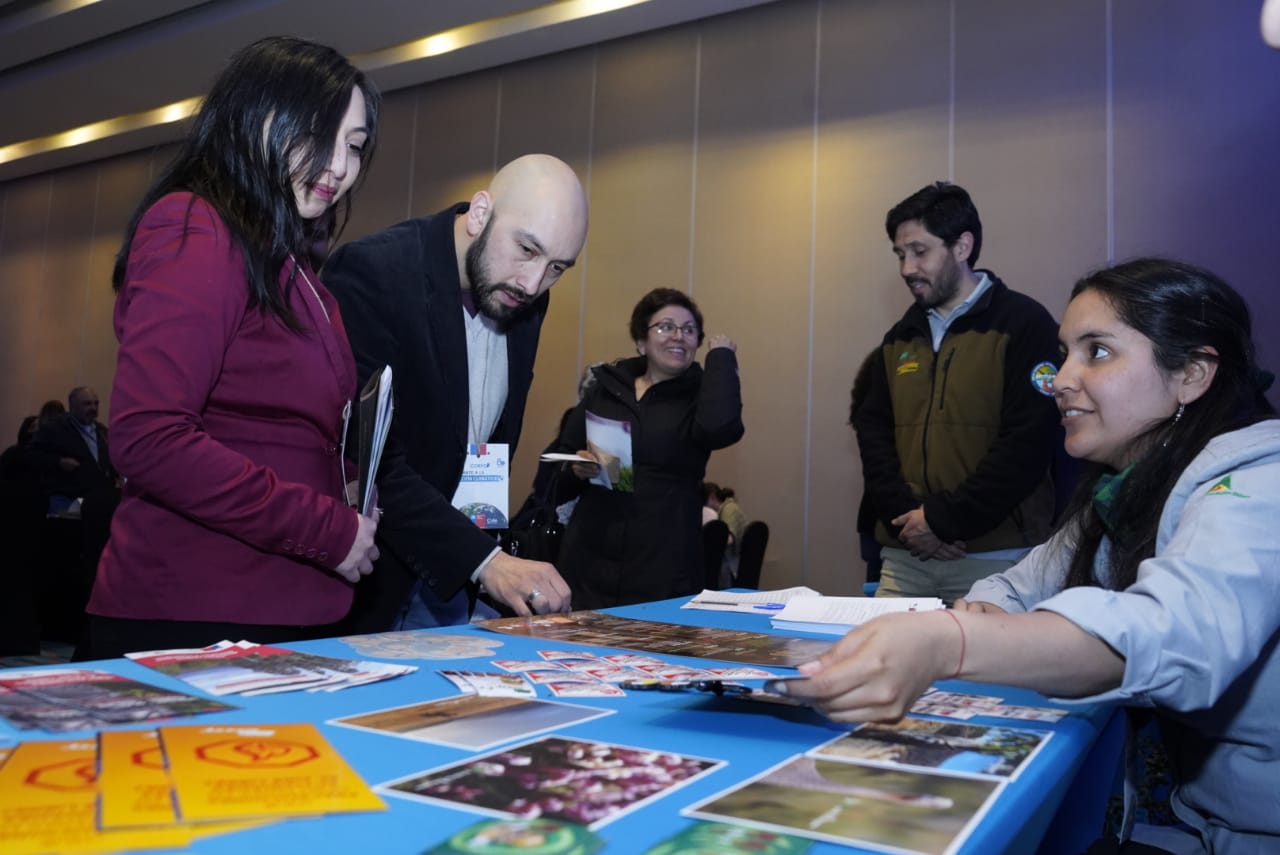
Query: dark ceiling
{"type": "Point", "coordinates": [68, 63]}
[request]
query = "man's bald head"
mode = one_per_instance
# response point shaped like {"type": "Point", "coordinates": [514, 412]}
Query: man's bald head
{"type": "Point", "coordinates": [520, 234]}
{"type": "Point", "coordinates": [542, 185]}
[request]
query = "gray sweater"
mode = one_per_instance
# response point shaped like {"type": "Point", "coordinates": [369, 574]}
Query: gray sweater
{"type": "Point", "coordinates": [1199, 632]}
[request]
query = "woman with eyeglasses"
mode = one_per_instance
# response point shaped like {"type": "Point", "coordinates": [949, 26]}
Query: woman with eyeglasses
{"type": "Point", "coordinates": [641, 538]}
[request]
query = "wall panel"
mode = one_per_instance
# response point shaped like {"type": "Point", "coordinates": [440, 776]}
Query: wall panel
{"type": "Point", "coordinates": [65, 284]}
{"type": "Point", "coordinates": [877, 143]}
{"type": "Point", "coordinates": [121, 184]}
{"type": "Point", "coordinates": [642, 168]}
{"type": "Point", "coordinates": [455, 140]}
{"type": "Point", "coordinates": [1197, 99]}
{"type": "Point", "coordinates": [1031, 143]}
{"type": "Point", "coordinates": [752, 254]}
{"type": "Point", "coordinates": [23, 257]}
{"type": "Point", "coordinates": [546, 107]}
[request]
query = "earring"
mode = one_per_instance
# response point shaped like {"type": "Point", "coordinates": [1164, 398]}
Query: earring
{"type": "Point", "coordinates": [1177, 416]}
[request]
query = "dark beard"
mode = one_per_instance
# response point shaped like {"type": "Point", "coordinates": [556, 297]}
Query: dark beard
{"type": "Point", "coordinates": [945, 288]}
{"type": "Point", "coordinates": [484, 291]}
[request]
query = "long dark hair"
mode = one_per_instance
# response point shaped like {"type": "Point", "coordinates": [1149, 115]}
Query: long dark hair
{"type": "Point", "coordinates": [1183, 310]}
{"type": "Point", "coordinates": [279, 100]}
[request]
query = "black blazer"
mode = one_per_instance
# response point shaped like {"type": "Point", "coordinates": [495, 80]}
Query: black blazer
{"type": "Point", "coordinates": [401, 302]}
{"type": "Point", "coordinates": [62, 438]}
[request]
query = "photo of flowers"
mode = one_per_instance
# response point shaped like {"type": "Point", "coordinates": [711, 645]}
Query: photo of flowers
{"type": "Point", "coordinates": [589, 783]}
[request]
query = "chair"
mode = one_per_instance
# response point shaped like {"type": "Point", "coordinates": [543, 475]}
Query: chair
{"type": "Point", "coordinates": [751, 554]}
{"type": "Point", "coordinates": [715, 537]}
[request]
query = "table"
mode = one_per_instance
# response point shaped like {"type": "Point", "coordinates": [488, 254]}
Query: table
{"type": "Point", "coordinates": [1058, 799]}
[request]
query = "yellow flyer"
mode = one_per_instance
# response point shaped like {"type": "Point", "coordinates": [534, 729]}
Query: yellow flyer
{"type": "Point", "coordinates": [133, 781]}
{"type": "Point", "coordinates": [48, 792]}
{"type": "Point", "coordinates": [241, 772]}
{"type": "Point", "coordinates": [134, 788]}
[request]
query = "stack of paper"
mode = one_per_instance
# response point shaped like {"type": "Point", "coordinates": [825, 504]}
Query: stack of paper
{"type": "Point", "coordinates": [66, 699]}
{"type": "Point", "coordinates": [162, 789]}
{"type": "Point", "coordinates": [838, 615]}
{"type": "Point", "coordinates": [376, 407]}
{"type": "Point", "coordinates": [750, 602]}
{"type": "Point", "coordinates": [245, 668]}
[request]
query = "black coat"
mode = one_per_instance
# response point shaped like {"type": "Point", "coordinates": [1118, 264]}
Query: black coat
{"type": "Point", "coordinates": [401, 302]}
{"type": "Point", "coordinates": [62, 438]}
{"type": "Point", "coordinates": [631, 547]}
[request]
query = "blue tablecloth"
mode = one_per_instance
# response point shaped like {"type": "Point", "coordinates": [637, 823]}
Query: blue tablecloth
{"type": "Point", "coordinates": [1055, 805]}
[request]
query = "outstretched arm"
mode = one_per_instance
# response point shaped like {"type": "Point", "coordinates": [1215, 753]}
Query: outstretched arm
{"type": "Point", "coordinates": [877, 671]}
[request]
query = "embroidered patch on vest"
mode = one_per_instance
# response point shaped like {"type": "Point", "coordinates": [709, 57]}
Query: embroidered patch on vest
{"type": "Point", "coordinates": [1223, 488]}
{"type": "Point", "coordinates": [1042, 378]}
{"type": "Point", "coordinates": [907, 364]}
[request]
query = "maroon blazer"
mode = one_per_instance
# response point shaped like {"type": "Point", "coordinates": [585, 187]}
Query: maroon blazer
{"type": "Point", "coordinates": [226, 426]}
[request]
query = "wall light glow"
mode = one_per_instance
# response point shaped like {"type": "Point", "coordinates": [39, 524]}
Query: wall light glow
{"type": "Point", "coordinates": [447, 41]}
{"type": "Point", "coordinates": [491, 29]}
{"type": "Point", "coordinates": [167, 114]}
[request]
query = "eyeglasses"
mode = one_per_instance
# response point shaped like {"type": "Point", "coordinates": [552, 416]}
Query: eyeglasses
{"type": "Point", "coordinates": [667, 328]}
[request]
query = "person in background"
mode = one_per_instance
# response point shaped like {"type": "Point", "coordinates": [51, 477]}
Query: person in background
{"type": "Point", "coordinates": [722, 500]}
{"type": "Point", "coordinates": [868, 547]}
{"type": "Point", "coordinates": [956, 433]}
{"type": "Point", "coordinates": [724, 506]}
{"type": "Point", "coordinates": [234, 369]}
{"type": "Point", "coordinates": [72, 453]}
{"type": "Point", "coordinates": [49, 411]}
{"type": "Point", "coordinates": [1161, 590]}
{"type": "Point", "coordinates": [645, 543]}
{"type": "Point", "coordinates": [538, 527]}
{"type": "Point", "coordinates": [15, 463]}
{"type": "Point", "coordinates": [454, 303]}
{"type": "Point", "coordinates": [709, 514]}
{"type": "Point", "coordinates": [22, 511]}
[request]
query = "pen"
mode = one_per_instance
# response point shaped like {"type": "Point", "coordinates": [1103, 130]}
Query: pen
{"type": "Point", "coordinates": [771, 607]}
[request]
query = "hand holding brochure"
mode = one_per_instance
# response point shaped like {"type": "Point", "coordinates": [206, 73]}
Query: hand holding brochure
{"type": "Point", "coordinates": [838, 615]}
{"type": "Point", "coordinates": [558, 457]}
{"type": "Point", "coordinates": [610, 441]}
{"type": "Point", "coordinates": [376, 407]}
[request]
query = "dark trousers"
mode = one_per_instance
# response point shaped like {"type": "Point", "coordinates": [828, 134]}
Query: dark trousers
{"type": "Point", "coordinates": [111, 637]}
{"type": "Point", "coordinates": [1112, 846]}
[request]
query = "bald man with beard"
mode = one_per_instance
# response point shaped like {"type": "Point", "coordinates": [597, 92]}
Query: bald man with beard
{"type": "Point", "coordinates": [454, 303]}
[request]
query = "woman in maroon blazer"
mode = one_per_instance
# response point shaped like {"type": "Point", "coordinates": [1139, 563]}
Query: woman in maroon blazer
{"type": "Point", "coordinates": [234, 370]}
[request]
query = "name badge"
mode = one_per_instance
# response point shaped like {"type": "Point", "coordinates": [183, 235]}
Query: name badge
{"type": "Point", "coordinates": [483, 492]}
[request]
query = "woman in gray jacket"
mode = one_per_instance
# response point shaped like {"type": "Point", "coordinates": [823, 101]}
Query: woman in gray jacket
{"type": "Point", "coordinates": [1162, 588]}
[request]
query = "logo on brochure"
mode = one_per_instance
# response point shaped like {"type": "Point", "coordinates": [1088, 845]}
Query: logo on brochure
{"type": "Point", "coordinates": [1042, 378]}
{"type": "Point", "coordinates": [283, 753]}
{"type": "Point", "coordinates": [1223, 488]}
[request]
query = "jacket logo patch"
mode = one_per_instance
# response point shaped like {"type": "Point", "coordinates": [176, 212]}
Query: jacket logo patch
{"type": "Point", "coordinates": [1223, 488]}
{"type": "Point", "coordinates": [907, 364]}
{"type": "Point", "coordinates": [1042, 378]}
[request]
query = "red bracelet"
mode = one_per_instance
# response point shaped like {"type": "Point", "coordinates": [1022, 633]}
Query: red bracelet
{"type": "Point", "coordinates": [960, 626]}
